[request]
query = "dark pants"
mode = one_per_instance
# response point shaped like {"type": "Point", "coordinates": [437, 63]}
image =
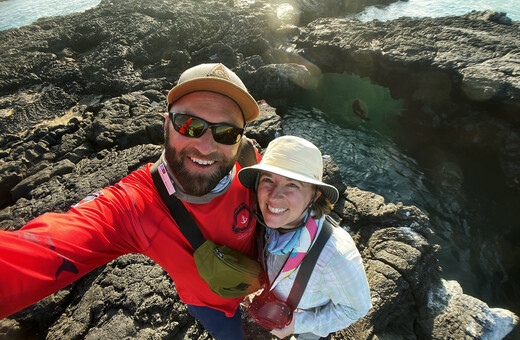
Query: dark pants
{"type": "Point", "coordinates": [217, 324]}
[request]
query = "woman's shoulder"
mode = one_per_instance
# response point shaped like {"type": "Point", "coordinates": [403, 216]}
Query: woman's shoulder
{"type": "Point", "coordinates": [341, 239]}
{"type": "Point", "coordinates": [340, 235]}
{"type": "Point", "coordinates": [339, 245]}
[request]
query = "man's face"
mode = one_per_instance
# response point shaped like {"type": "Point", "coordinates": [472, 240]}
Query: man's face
{"type": "Point", "coordinates": [200, 163]}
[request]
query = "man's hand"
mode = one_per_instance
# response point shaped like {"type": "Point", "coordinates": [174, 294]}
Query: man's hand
{"type": "Point", "coordinates": [283, 332]}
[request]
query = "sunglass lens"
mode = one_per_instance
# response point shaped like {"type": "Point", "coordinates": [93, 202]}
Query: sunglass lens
{"type": "Point", "coordinates": [226, 134]}
{"type": "Point", "coordinates": [188, 126]}
{"type": "Point", "coordinates": [195, 127]}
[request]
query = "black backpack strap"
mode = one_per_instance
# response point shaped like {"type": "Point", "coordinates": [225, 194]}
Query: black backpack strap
{"type": "Point", "coordinates": [308, 263]}
{"type": "Point", "coordinates": [247, 155]}
{"type": "Point", "coordinates": [180, 214]}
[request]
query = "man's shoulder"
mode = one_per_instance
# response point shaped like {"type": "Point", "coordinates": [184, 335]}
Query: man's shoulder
{"type": "Point", "coordinates": [140, 178]}
{"type": "Point", "coordinates": [140, 174]}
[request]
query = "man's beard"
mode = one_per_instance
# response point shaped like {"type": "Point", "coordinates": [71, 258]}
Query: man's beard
{"type": "Point", "coordinates": [196, 184]}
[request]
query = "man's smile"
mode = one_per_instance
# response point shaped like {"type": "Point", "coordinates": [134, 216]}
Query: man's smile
{"type": "Point", "coordinates": [201, 161]}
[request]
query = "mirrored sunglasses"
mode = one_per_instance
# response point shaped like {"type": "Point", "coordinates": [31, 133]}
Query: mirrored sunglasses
{"type": "Point", "coordinates": [195, 127]}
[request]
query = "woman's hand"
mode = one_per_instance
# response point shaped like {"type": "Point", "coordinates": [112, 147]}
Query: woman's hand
{"type": "Point", "coordinates": [283, 332]}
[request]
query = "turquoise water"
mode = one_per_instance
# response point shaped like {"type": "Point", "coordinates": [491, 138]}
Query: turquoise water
{"type": "Point", "coordinates": [439, 8]}
{"type": "Point", "coordinates": [16, 13]}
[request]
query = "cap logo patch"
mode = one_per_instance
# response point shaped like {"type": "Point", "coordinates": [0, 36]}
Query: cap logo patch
{"type": "Point", "coordinates": [219, 72]}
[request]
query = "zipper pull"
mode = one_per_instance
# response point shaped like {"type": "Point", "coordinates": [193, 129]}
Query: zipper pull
{"type": "Point", "coordinates": [218, 253]}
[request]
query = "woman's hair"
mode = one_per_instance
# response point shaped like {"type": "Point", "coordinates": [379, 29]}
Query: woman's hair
{"type": "Point", "coordinates": [322, 206]}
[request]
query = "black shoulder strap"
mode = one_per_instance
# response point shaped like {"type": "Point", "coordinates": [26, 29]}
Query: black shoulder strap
{"type": "Point", "coordinates": [188, 227]}
{"type": "Point", "coordinates": [247, 155]}
{"type": "Point", "coordinates": [308, 263]}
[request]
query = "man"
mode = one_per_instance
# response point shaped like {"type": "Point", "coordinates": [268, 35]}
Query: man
{"type": "Point", "coordinates": [207, 111]}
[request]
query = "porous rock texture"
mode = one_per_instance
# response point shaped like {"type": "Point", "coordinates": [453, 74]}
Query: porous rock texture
{"type": "Point", "coordinates": [82, 99]}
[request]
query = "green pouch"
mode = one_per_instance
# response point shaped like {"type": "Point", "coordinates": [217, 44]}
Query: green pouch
{"type": "Point", "coordinates": [228, 272]}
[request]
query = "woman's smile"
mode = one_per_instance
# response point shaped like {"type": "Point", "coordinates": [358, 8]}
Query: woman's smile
{"type": "Point", "coordinates": [275, 210]}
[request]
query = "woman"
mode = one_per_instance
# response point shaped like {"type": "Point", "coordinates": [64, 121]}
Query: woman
{"type": "Point", "coordinates": [292, 202]}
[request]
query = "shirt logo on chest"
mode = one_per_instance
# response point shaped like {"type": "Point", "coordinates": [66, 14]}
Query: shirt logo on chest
{"type": "Point", "coordinates": [242, 219]}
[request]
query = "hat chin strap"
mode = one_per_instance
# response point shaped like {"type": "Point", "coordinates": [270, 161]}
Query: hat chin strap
{"type": "Point", "coordinates": [307, 211]}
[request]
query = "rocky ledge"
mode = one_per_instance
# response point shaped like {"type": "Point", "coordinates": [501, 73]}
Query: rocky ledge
{"type": "Point", "coordinates": [81, 103]}
{"type": "Point", "coordinates": [459, 76]}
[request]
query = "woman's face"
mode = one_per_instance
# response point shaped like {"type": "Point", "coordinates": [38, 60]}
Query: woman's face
{"type": "Point", "coordinates": [283, 201]}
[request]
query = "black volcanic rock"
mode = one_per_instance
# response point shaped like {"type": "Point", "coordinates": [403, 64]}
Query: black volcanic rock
{"type": "Point", "coordinates": [82, 99]}
{"type": "Point", "coordinates": [459, 75]}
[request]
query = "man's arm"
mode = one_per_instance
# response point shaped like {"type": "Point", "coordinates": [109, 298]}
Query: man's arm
{"type": "Point", "coordinates": [55, 250]}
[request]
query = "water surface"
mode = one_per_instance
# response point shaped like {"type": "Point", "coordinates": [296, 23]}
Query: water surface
{"type": "Point", "coordinates": [438, 8]}
{"type": "Point", "coordinates": [16, 13]}
{"type": "Point", "coordinates": [474, 215]}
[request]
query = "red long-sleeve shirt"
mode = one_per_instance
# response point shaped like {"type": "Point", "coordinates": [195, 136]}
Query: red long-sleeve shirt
{"type": "Point", "coordinates": [55, 249]}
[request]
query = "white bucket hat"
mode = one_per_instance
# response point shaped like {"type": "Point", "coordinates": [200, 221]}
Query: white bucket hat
{"type": "Point", "coordinates": [292, 157]}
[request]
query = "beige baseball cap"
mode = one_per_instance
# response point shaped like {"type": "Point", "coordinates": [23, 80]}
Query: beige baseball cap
{"type": "Point", "coordinates": [292, 157]}
{"type": "Point", "coordinates": [215, 78]}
